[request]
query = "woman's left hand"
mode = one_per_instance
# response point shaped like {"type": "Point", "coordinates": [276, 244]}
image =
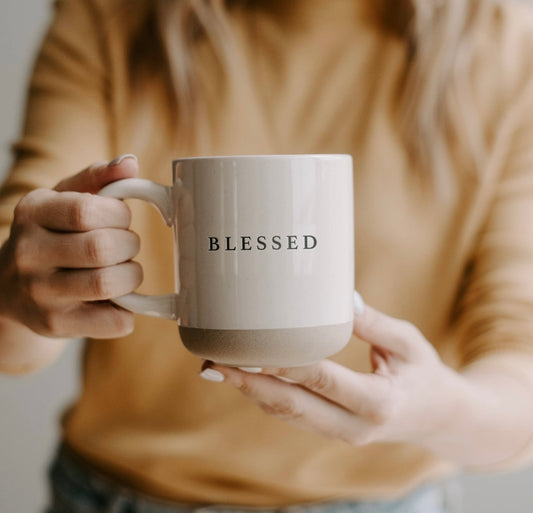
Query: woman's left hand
{"type": "Point", "coordinates": [410, 396]}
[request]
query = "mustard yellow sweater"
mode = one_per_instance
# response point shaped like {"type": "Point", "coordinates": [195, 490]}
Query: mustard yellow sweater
{"type": "Point", "coordinates": [324, 80]}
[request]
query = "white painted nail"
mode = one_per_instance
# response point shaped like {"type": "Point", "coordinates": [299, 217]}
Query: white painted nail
{"type": "Point", "coordinates": [251, 370]}
{"type": "Point", "coordinates": [212, 375]}
{"type": "Point", "coordinates": [116, 161]}
{"type": "Point", "coordinates": [358, 303]}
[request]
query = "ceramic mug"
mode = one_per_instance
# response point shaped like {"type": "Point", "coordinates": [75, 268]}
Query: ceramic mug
{"type": "Point", "coordinates": [264, 256]}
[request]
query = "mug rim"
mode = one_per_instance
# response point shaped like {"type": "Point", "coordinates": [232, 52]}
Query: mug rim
{"type": "Point", "coordinates": [266, 156]}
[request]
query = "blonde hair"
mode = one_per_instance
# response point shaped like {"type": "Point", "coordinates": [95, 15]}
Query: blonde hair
{"type": "Point", "coordinates": [434, 104]}
{"type": "Point", "coordinates": [438, 119]}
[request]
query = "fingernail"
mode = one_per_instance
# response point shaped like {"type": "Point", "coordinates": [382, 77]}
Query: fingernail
{"type": "Point", "coordinates": [116, 161]}
{"type": "Point", "coordinates": [212, 375]}
{"type": "Point", "coordinates": [251, 370]}
{"type": "Point", "coordinates": [358, 303]}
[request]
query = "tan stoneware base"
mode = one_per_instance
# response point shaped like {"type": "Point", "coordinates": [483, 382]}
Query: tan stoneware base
{"type": "Point", "coordinates": [267, 347]}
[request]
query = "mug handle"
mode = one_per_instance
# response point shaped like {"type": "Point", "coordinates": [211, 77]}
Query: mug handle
{"type": "Point", "coordinates": [165, 306]}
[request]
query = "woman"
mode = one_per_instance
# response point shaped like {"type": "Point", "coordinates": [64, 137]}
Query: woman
{"type": "Point", "coordinates": [435, 101]}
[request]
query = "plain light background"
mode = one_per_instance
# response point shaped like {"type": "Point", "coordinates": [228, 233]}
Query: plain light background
{"type": "Point", "coordinates": [30, 405]}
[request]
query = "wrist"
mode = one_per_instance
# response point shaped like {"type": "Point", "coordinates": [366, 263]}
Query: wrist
{"type": "Point", "coordinates": [23, 351]}
{"type": "Point", "coordinates": [505, 392]}
{"type": "Point", "coordinates": [454, 404]}
{"type": "Point", "coordinates": [483, 418]}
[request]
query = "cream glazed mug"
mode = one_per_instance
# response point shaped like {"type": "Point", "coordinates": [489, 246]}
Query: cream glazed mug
{"type": "Point", "coordinates": [264, 256]}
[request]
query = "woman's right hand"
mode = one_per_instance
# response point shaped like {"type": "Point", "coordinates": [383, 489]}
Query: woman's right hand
{"type": "Point", "coordinates": [70, 251]}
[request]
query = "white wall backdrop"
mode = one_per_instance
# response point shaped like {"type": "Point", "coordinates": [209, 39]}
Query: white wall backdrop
{"type": "Point", "coordinates": [30, 405]}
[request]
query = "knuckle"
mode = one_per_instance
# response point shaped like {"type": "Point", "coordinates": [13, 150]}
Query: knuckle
{"type": "Point", "coordinates": [36, 290]}
{"type": "Point", "coordinates": [122, 322]}
{"type": "Point", "coordinates": [97, 247]}
{"type": "Point", "coordinates": [320, 381]}
{"type": "Point", "coordinates": [245, 386]}
{"type": "Point", "coordinates": [409, 338]}
{"type": "Point", "coordinates": [23, 253]}
{"type": "Point", "coordinates": [138, 275]}
{"type": "Point", "coordinates": [409, 330]}
{"type": "Point", "coordinates": [81, 213]}
{"type": "Point", "coordinates": [136, 246]}
{"type": "Point", "coordinates": [285, 408]}
{"type": "Point", "coordinates": [101, 284]}
{"type": "Point", "coordinates": [20, 214]}
{"type": "Point", "coordinates": [26, 205]}
{"type": "Point", "coordinates": [371, 326]}
{"type": "Point", "coordinates": [124, 211]}
{"type": "Point", "coordinates": [51, 323]}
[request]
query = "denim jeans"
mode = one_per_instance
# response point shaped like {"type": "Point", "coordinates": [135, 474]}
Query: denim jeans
{"type": "Point", "coordinates": [77, 489]}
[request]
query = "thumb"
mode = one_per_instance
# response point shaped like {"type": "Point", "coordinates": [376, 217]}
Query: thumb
{"type": "Point", "coordinates": [96, 176]}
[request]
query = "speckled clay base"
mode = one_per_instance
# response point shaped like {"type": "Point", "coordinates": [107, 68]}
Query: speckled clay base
{"type": "Point", "coordinates": [267, 348]}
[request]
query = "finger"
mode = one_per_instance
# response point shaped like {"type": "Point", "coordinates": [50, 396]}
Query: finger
{"type": "Point", "coordinates": [97, 248]}
{"type": "Point", "coordinates": [378, 359]}
{"type": "Point", "coordinates": [74, 211]}
{"type": "Point", "coordinates": [98, 175]}
{"type": "Point", "coordinates": [399, 337]}
{"type": "Point", "coordinates": [298, 406]}
{"type": "Point", "coordinates": [92, 284]}
{"type": "Point", "coordinates": [361, 393]}
{"type": "Point", "coordinates": [95, 320]}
